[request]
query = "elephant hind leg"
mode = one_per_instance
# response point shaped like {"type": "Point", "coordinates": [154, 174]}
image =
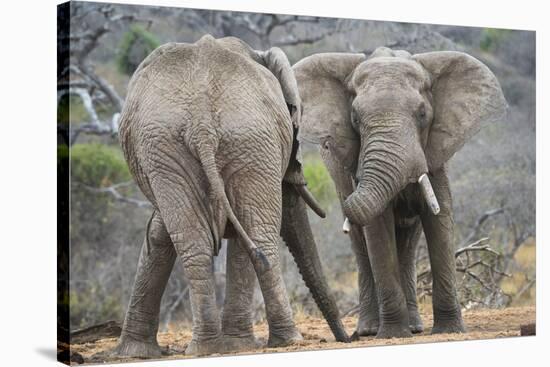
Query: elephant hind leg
{"type": "Point", "coordinates": [139, 332]}
{"type": "Point", "coordinates": [407, 240]}
{"type": "Point", "coordinates": [187, 221]}
{"type": "Point", "coordinates": [256, 195]}
{"type": "Point", "coordinates": [238, 334]}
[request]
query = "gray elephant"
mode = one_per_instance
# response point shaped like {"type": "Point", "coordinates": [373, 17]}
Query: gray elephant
{"type": "Point", "coordinates": [209, 139]}
{"type": "Point", "coordinates": [386, 125]}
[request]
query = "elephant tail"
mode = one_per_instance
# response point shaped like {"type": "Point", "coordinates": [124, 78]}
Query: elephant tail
{"type": "Point", "coordinates": [207, 159]}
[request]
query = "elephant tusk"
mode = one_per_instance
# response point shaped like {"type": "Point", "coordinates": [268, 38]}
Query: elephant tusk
{"type": "Point", "coordinates": [310, 200]}
{"type": "Point", "coordinates": [346, 228]}
{"type": "Point", "coordinates": [428, 193]}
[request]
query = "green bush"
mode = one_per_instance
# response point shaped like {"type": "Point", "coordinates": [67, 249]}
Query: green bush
{"type": "Point", "coordinates": [98, 165]}
{"type": "Point", "coordinates": [491, 38]}
{"type": "Point", "coordinates": [95, 220]}
{"type": "Point", "coordinates": [93, 305]}
{"type": "Point", "coordinates": [70, 110]}
{"type": "Point", "coordinates": [136, 44]}
{"type": "Point", "coordinates": [318, 180]}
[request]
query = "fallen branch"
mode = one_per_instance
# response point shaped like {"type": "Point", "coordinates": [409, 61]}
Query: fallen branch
{"type": "Point", "coordinates": [528, 329]}
{"type": "Point", "coordinates": [479, 270]}
{"type": "Point", "coordinates": [109, 329]}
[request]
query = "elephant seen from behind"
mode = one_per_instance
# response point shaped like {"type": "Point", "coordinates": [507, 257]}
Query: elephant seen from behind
{"type": "Point", "coordinates": [209, 133]}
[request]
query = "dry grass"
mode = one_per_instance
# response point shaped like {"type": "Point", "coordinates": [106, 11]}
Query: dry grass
{"type": "Point", "coordinates": [519, 284]}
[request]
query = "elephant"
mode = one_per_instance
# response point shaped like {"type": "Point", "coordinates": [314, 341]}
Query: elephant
{"type": "Point", "coordinates": [209, 130]}
{"type": "Point", "coordinates": [386, 125]}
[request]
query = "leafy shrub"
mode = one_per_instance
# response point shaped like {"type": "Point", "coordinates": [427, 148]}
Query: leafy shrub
{"type": "Point", "coordinates": [98, 165]}
{"type": "Point", "coordinates": [318, 180]}
{"type": "Point", "coordinates": [492, 38]}
{"type": "Point", "coordinates": [136, 44]}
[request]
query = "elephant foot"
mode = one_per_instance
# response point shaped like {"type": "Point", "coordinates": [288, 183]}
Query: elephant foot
{"type": "Point", "coordinates": [367, 327]}
{"type": "Point", "coordinates": [283, 339]}
{"type": "Point", "coordinates": [452, 326]}
{"type": "Point", "coordinates": [415, 322]}
{"type": "Point", "coordinates": [388, 331]}
{"type": "Point", "coordinates": [240, 343]}
{"type": "Point", "coordinates": [205, 347]}
{"type": "Point", "coordinates": [136, 349]}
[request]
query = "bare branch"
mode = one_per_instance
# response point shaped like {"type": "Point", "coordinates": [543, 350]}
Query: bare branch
{"type": "Point", "coordinates": [479, 245]}
{"type": "Point", "coordinates": [174, 305]}
{"type": "Point", "coordinates": [95, 126]}
{"type": "Point", "coordinates": [88, 83]}
{"type": "Point", "coordinates": [112, 190]}
{"type": "Point", "coordinates": [524, 289]}
{"type": "Point", "coordinates": [102, 84]}
{"type": "Point", "coordinates": [291, 40]}
{"type": "Point", "coordinates": [88, 104]}
{"type": "Point", "coordinates": [480, 221]}
{"type": "Point", "coordinates": [474, 276]}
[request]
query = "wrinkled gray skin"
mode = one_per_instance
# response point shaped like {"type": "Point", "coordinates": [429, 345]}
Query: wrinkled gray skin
{"type": "Point", "coordinates": [208, 137]}
{"type": "Point", "coordinates": [381, 122]}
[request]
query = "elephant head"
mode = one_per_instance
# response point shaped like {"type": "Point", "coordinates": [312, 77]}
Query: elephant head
{"type": "Point", "coordinates": [393, 117]}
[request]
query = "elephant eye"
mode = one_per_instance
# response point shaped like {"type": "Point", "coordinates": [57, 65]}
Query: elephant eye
{"type": "Point", "coordinates": [291, 109]}
{"type": "Point", "coordinates": [354, 119]}
{"type": "Point", "coordinates": [421, 114]}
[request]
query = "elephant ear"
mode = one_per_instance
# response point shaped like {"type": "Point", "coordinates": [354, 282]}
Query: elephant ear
{"type": "Point", "coordinates": [326, 102]}
{"type": "Point", "coordinates": [277, 62]}
{"type": "Point", "coordinates": [466, 95]}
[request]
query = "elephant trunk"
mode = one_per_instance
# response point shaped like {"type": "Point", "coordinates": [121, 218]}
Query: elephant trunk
{"type": "Point", "coordinates": [296, 232]}
{"type": "Point", "coordinates": [384, 171]}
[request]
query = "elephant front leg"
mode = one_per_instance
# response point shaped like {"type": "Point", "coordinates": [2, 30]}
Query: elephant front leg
{"type": "Point", "coordinates": [393, 314]}
{"type": "Point", "coordinates": [368, 322]}
{"type": "Point", "coordinates": [238, 334]}
{"type": "Point", "coordinates": [407, 241]}
{"type": "Point", "coordinates": [139, 332]}
{"type": "Point", "coordinates": [439, 236]}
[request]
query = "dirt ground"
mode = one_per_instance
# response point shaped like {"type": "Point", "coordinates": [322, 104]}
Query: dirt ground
{"type": "Point", "coordinates": [481, 324]}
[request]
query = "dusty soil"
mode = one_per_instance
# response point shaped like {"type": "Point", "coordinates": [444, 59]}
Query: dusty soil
{"type": "Point", "coordinates": [481, 324]}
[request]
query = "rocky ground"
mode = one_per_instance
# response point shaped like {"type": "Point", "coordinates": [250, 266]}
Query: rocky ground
{"type": "Point", "coordinates": [481, 324]}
